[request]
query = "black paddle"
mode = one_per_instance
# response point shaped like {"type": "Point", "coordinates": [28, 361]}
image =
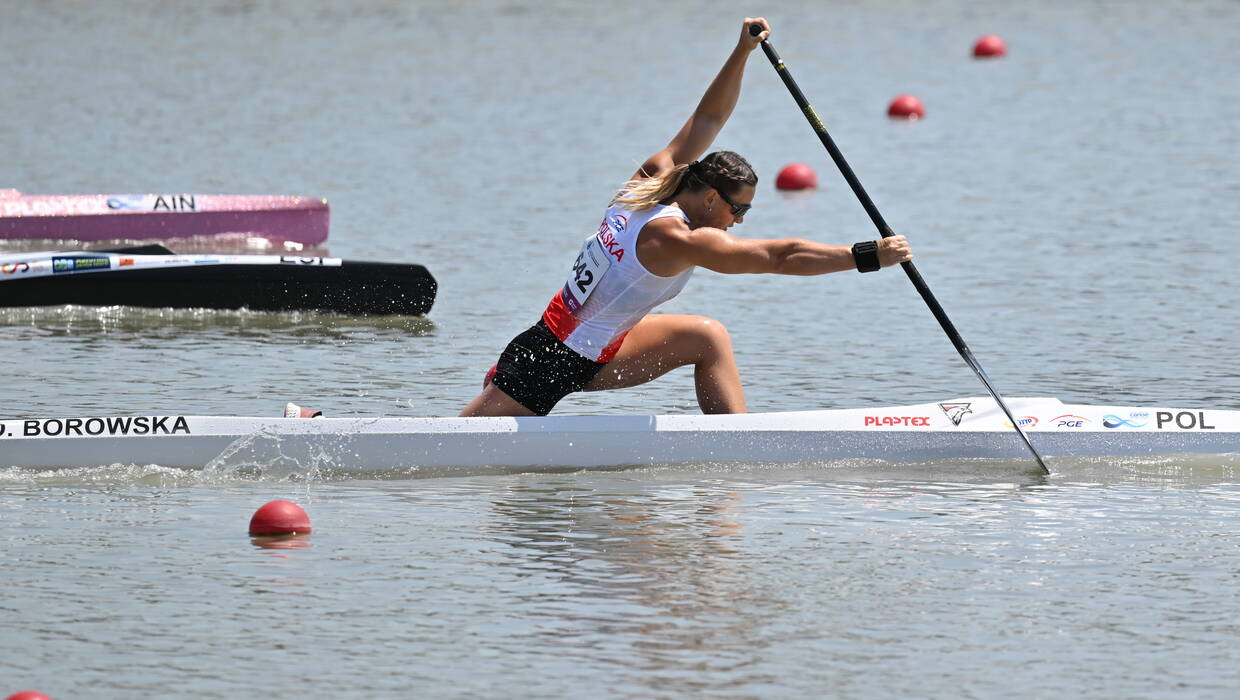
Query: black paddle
{"type": "Point", "coordinates": [885, 230]}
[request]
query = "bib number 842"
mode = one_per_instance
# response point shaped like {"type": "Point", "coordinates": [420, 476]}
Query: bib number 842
{"type": "Point", "coordinates": [589, 267]}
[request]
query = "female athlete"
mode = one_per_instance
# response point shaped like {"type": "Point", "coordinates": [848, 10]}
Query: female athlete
{"type": "Point", "coordinates": [671, 217]}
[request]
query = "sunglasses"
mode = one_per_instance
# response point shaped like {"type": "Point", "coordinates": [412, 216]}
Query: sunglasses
{"type": "Point", "coordinates": [738, 210]}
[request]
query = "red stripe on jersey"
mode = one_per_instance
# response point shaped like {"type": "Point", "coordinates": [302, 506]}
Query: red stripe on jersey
{"type": "Point", "coordinates": [559, 319]}
{"type": "Point", "coordinates": [612, 348]}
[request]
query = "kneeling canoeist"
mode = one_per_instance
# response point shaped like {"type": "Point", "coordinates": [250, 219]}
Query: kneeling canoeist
{"type": "Point", "coordinates": [671, 217]}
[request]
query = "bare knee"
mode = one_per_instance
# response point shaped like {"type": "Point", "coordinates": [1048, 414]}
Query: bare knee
{"type": "Point", "coordinates": [710, 338]}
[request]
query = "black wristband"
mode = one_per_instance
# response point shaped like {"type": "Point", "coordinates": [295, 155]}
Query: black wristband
{"type": "Point", "coordinates": [865, 254]}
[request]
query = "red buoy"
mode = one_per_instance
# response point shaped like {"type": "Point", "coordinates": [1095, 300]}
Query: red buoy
{"type": "Point", "coordinates": [989, 46]}
{"type": "Point", "coordinates": [796, 176]}
{"type": "Point", "coordinates": [906, 107]}
{"type": "Point", "coordinates": [279, 518]}
{"type": "Point", "coordinates": [28, 695]}
{"type": "Point", "coordinates": [490, 375]}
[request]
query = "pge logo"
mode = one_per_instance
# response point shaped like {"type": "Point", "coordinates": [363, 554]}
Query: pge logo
{"type": "Point", "coordinates": [1069, 421]}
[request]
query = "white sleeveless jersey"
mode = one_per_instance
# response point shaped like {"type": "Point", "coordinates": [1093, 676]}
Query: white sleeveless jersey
{"type": "Point", "coordinates": [609, 290]}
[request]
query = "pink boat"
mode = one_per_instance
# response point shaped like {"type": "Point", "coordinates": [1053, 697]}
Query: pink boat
{"type": "Point", "coordinates": [123, 217]}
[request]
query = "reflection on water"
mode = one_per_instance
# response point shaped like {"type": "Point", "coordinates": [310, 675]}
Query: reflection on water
{"type": "Point", "coordinates": [41, 321]}
{"type": "Point", "coordinates": [668, 566]}
{"type": "Point", "coordinates": [297, 540]}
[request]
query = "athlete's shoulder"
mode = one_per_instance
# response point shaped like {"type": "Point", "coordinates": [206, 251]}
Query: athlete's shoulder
{"type": "Point", "coordinates": [666, 224]}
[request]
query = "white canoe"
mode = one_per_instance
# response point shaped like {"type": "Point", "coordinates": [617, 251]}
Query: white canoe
{"type": "Point", "coordinates": [960, 429]}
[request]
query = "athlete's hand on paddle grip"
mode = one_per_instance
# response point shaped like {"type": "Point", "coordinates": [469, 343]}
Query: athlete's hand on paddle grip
{"type": "Point", "coordinates": [893, 250]}
{"type": "Point", "coordinates": [748, 39]}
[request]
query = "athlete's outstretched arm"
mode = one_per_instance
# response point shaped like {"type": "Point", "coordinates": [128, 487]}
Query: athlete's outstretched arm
{"type": "Point", "coordinates": [672, 247]}
{"type": "Point", "coordinates": [713, 110]}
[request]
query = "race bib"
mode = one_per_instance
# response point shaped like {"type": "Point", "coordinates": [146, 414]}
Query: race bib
{"type": "Point", "coordinates": [591, 264]}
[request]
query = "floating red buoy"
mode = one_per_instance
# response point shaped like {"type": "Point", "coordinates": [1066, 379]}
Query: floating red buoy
{"type": "Point", "coordinates": [906, 107]}
{"type": "Point", "coordinates": [490, 376]}
{"type": "Point", "coordinates": [28, 695]}
{"type": "Point", "coordinates": [989, 46]}
{"type": "Point", "coordinates": [279, 518]}
{"type": "Point", "coordinates": [796, 176]}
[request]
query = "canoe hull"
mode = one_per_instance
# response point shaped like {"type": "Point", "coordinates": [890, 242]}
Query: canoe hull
{"type": "Point", "coordinates": [574, 442]}
{"type": "Point", "coordinates": [303, 220]}
{"type": "Point", "coordinates": [359, 288]}
{"type": "Point", "coordinates": [132, 277]}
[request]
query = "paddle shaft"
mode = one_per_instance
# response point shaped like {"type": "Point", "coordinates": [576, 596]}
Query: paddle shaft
{"type": "Point", "coordinates": [885, 231]}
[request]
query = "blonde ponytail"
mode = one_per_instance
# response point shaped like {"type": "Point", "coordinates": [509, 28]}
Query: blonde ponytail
{"type": "Point", "coordinates": [724, 170]}
{"type": "Point", "coordinates": [640, 195]}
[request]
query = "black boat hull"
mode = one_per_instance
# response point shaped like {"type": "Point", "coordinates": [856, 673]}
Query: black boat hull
{"type": "Point", "coordinates": [357, 288]}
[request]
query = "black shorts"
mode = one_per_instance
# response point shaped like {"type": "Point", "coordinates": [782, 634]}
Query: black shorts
{"type": "Point", "coordinates": [537, 369]}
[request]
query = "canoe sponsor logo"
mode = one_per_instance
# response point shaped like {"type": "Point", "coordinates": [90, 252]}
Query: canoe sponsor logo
{"type": "Point", "coordinates": [1135, 419]}
{"type": "Point", "coordinates": [1024, 422]}
{"type": "Point", "coordinates": [125, 203]}
{"type": "Point", "coordinates": [905, 421]}
{"type": "Point", "coordinates": [14, 268]}
{"type": "Point", "coordinates": [1069, 421]}
{"type": "Point", "coordinates": [75, 264]}
{"type": "Point", "coordinates": [1185, 420]}
{"type": "Point", "coordinates": [295, 260]}
{"type": "Point", "coordinates": [956, 411]}
{"type": "Point", "coordinates": [162, 202]}
{"type": "Point", "coordinates": [89, 427]}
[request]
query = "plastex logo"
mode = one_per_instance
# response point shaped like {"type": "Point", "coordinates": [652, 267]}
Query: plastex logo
{"type": "Point", "coordinates": [956, 411]}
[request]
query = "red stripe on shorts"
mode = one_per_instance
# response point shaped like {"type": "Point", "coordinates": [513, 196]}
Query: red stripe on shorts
{"type": "Point", "coordinates": [559, 319]}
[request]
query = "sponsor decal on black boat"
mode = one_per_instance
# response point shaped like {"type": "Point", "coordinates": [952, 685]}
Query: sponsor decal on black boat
{"type": "Point", "coordinates": [74, 264]}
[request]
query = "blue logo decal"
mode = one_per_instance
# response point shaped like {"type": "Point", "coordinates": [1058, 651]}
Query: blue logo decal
{"type": "Point", "coordinates": [1114, 421]}
{"type": "Point", "coordinates": [118, 203]}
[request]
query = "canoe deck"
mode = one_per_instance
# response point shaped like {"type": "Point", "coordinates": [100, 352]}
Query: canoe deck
{"type": "Point", "coordinates": [967, 428]}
